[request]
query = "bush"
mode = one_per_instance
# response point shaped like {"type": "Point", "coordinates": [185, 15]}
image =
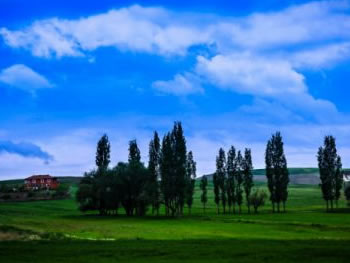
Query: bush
{"type": "Point", "coordinates": [61, 191]}
{"type": "Point", "coordinates": [6, 197]}
{"type": "Point", "coordinates": [31, 194]}
{"type": "Point", "coordinates": [257, 199]}
{"type": "Point", "coordinates": [347, 194]}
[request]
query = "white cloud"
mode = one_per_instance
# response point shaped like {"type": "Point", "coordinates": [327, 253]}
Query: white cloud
{"type": "Point", "coordinates": [180, 85]}
{"type": "Point", "coordinates": [161, 31]}
{"type": "Point", "coordinates": [315, 21]}
{"type": "Point", "coordinates": [135, 28]}
{"type": "Point", "coordinates": [22, 77]}
{"type": "Point", "coordinates": [250, 74]}
{"type": "Point", "coordinates": [324, 56]}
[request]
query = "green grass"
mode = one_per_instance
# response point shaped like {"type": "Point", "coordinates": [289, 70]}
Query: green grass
{"type": "Point", "coordinates": [305, 233]}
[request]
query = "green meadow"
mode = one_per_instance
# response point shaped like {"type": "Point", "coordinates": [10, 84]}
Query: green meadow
{"type": "Point", "coordinates": [55, 231]}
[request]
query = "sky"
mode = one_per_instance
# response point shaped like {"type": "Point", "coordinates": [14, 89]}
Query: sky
{"type": "Point", "coordinates": [233, 72]}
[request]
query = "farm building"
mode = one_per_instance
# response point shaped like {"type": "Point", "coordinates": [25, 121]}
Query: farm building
{"type": "Point", "coordinates": [41, 181]}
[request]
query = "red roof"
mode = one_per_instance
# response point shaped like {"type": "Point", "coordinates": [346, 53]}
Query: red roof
{"type": "Point", "coordinates": [43, 176]}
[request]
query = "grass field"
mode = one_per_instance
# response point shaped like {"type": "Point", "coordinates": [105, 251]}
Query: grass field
{"type": "Point", "coordinates": [55, 231]}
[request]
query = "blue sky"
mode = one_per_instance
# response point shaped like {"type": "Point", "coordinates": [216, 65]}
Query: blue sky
{"type": "Point", "coordinates": [232, 73]}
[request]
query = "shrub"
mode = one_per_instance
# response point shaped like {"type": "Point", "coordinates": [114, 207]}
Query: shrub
{"type": "Point", "coordinates": [347, 194]}
{"type": "Point", "coordinates": [61, 191]}
{"type": "Point", "coordinates": [6, 197]}
{"type": "Point", "coordinates": [31, 194]}
{"type": "Point", "coordinates": [257, 199]}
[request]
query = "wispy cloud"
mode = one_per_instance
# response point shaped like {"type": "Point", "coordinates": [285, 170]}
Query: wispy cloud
{"type": "Point", "coordinates": [22, 77]}
{"type": "Point", "coordinates": [181, 85]}
{"type": "Point", "coordinates": [25, 149]}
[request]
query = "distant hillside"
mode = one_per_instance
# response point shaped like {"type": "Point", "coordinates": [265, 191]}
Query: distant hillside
{"type": "Point", "coordinates": [296, 175]}
{"type": "Point", "coordinates": [62, 179]}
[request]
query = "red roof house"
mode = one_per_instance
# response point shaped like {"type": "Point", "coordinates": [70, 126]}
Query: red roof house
{"type": "Point", "coordinates": [41, 181]}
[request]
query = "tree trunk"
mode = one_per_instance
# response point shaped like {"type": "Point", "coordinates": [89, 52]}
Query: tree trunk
{"type": "Point", "coordinates": [273, 207]}
{"type": "Point", "coordinates": [278, 207]}
{"type": "Point", "coordinates": [284, 207]}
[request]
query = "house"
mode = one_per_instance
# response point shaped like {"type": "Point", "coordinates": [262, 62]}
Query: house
{"type": "Point", "coordinates": [36, 182]}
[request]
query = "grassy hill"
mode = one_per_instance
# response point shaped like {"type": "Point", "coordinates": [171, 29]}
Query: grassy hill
{"type": "Point", "coordinates": [55, 231]}
{"type": "Point", "coordinates": [306, 176]}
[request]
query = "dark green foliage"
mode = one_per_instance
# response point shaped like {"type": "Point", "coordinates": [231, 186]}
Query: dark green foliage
{"type": "Point", "coordinates": [190, 179]}
{"type": "Point", "coordinates": [86, 196]}
{"type": "Point", "coordinates": [231, 168]}
{"type": "Point", "coordinates": [331, 174]}
{"type": "Point", "coordinates": [220, 175]}
{"type": "Point", "coordinates": [257, 199]}
{"type": "Point", "coordinates": [134, 152]}
{"type": "Point", "coordinates": [347, 194]}
{"type": "Point", "coordinates": [247, 167]}
{"type": "Point", "coordinates": [239, 180]}
{"type": "Point", "coordinates": [173, 170]}
{"type": "Point", "coordinates": [103, 153]}
{"type": "Point", "coordinates": [62, 191]}
{"type": "Point", "coordinates": [216, 189]}
{"type": "Point", "coordinates": [126, 185]}
{"type": "Point", "coordinates": [276, 171]}
{"type": "Point", "coordinates": [154, 170]}
{"type": "Point", "coordinates": [203, 186]}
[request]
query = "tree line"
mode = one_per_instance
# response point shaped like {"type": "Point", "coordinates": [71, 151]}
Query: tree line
{"type": "Point", "coordinates": [170, 176]}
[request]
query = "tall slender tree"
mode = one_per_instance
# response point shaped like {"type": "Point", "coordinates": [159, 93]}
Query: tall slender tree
{"type": "Point", "coordinates": [276, 171]}
{"type": "Point", "coordinates": [216, 189]}
{"type": "Point", "coordinates": [221, 177]}
{"type": "Point", "coordinates": [154, 170]}
{"type": "Point", "coordinates": [330, 166]}
{"type": "Point", "coordinates": [103, 153]}
{"type": "Point", "coordinates": [173, 170]}
{"type": "Point", "coordinates": [247, 175]}
{"type": "Point", "coordinates": [239, 180]}
{"type": "Point", "coordinates": [180, 152]}
{"type": "Point", "coordinates": [231, 167]}
{"type": "Point", "coordinates": [190, 180]}
{"type": "Point", "coordinates": [203, 186]}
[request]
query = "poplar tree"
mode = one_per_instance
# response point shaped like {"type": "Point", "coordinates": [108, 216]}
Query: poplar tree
{"type": "Point", "coordinates": [203, 186]}
{"type": "Point", "coordinates": [103, 153]}
{"type": "Point", "coordinates": [331, 175]}
{"type": "Point", "coordinates": [239, 180]}
{"type": "Point", "coordinates": [153, 167]}
{"type": "Point", "coordinates": [231, 167]}
{"type": "Point", "coordinates": [247, 175]}
{"type": "Point", "coordinates": [190, 180]}
{"type": "Point", "coordinates": [221, 177]}
{"type": "Point", "coordinates": [180, 153]}
{"type": "Point", "coordinates": [216, 189]}
{"type": "Point", "coordinates": [167, 182]}
{"type": "Point", "coordinates": [173, 170]}
{"type": "Point", "coordinates": [276, 171]}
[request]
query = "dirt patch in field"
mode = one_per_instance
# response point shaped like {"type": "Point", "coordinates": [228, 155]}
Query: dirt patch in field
{"type": "Point", "coordinates": [8, 233]}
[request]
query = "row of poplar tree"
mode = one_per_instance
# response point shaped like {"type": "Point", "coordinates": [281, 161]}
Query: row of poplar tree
{"type": "Point", "coordinates": [169, 178]}
{"type": "Point", "coordinates": [233, 178]}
